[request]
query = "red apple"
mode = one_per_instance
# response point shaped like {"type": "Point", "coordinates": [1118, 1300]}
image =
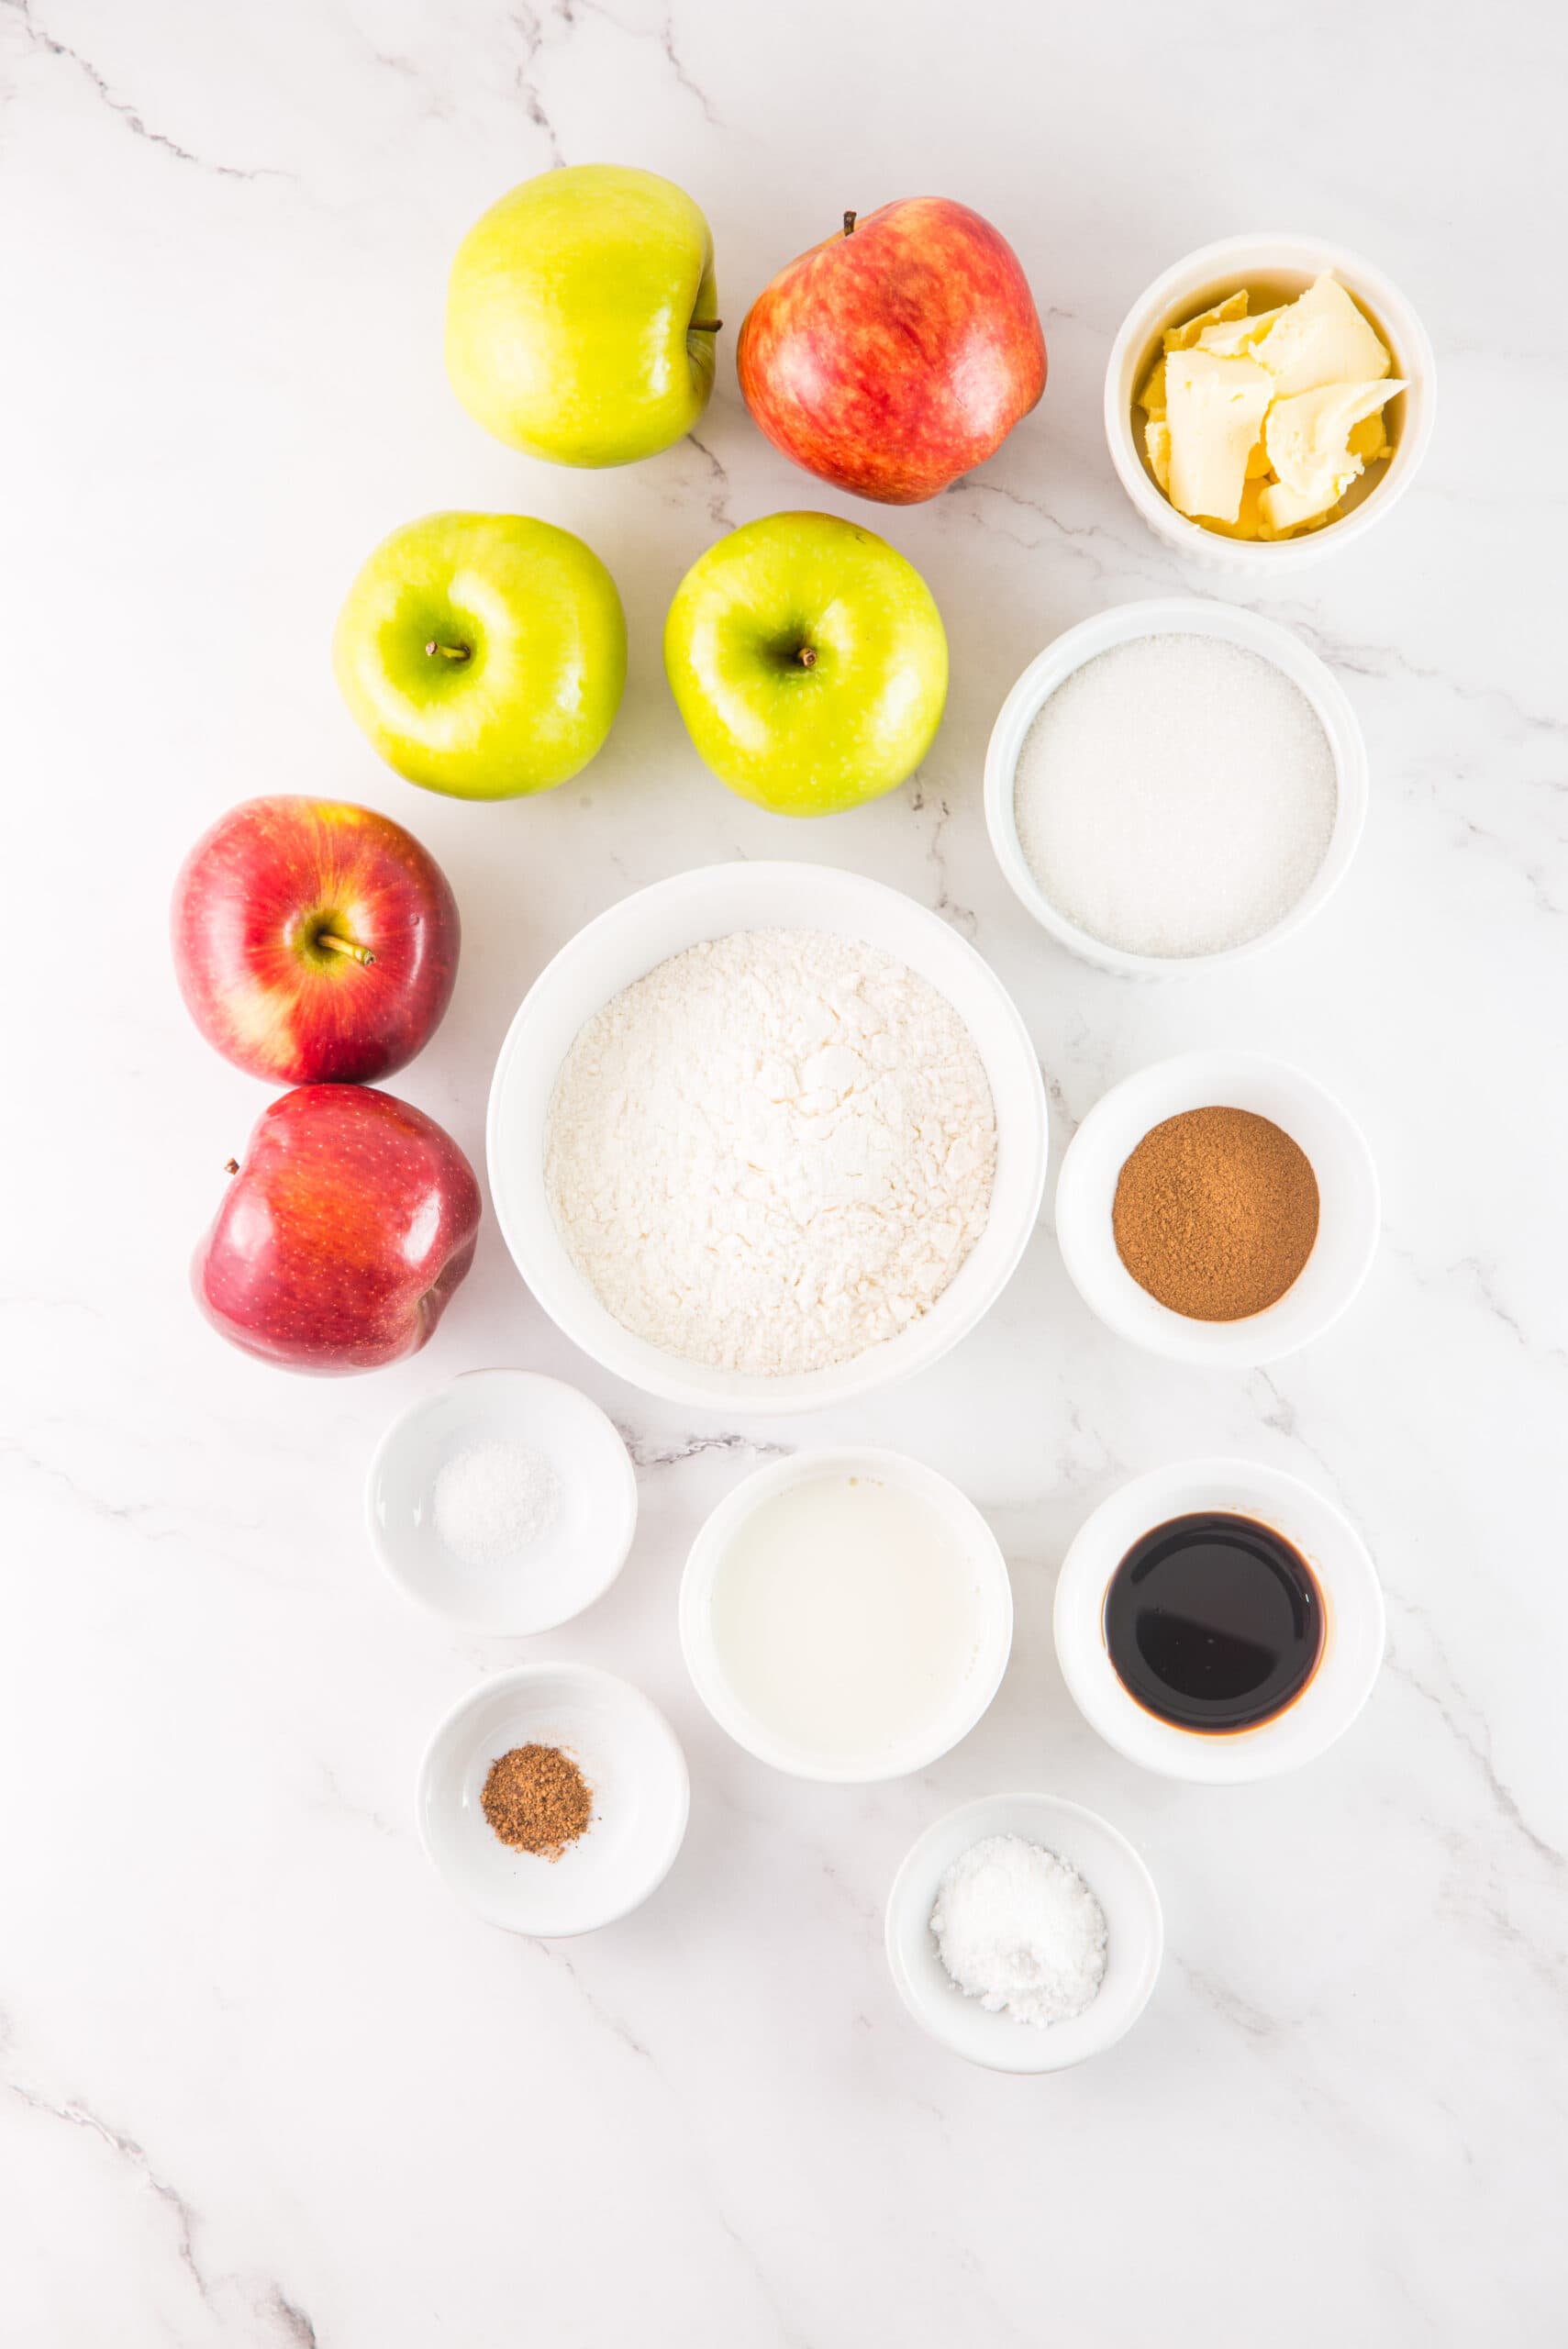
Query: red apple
{"type": "Point", "coordinates": [343, 1233]}
{"type": "Point", "coordinates": [314, 942]}
{"type": "Point", "coordinates": [895, 356]}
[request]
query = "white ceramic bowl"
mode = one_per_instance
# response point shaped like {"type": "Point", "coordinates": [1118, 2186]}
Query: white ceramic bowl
{"type": "Point", "coordinates": [625, 1750]}
{"type": "Point", "coordinates": [573, 1564]}
{"type": "Point", "coordinates": [1352, 1603]}
{"type": "Point", "coordinates": [1286, 266]}
{"type": "Point", "coordinates": [1114, 1874]}
{"type": "Point", "coordinates": [1173, 616]}
{"type": "Point", "coordinates": [971, 1536]}
{"type": "Point", "coordinates": [645, 929]}
{"type": "Point", "coordinates": [1350, 1207]}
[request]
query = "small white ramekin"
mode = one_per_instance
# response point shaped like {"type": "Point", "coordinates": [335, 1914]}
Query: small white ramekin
{"type": "Point", "coordinates": [994, 1594]}
{"type": "Point", "coordinates": [1350, 1207]}
{"type": "Point", "coordinates": [570, 1565]}
{"type": "Point", "coordinates": [634, 1766]}
{"type": "Point", "coordinates": [1173, 616]}
{"type": "Point", "coordinates": [1352, 1603]}
{"type": "Point", "coordinates": [1135, 1934]}
{"type": "Point", "coordinates": [1291, 264]}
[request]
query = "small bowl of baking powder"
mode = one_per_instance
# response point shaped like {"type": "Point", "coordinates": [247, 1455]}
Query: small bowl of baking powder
{"type": "Point", "coordinates": [1024, 1933]}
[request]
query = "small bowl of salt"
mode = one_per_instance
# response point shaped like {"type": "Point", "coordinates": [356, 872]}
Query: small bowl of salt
{"type": "Point", "coordinates": [1024, 1933]}
{"type": "Point", "coordinates": [506, 1501]}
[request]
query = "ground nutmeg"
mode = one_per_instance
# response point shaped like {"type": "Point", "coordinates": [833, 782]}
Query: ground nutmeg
{"type": "Point", "coordinates": [537, 1799]}
{"type": "Point", "coordinates": [1216, 1212]}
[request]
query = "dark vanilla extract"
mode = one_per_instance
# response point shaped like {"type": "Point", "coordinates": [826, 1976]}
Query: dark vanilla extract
{"type": "Point", "coordinates": [1214, 1622]}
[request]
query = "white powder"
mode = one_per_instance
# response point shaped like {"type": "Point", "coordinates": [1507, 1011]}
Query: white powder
{"type": "Point", "coordinates": [1175, 796]}
{"type": "Point", "coordinates": [1020, 1930]}
{"type": "Point", "coordinates": [494, 1500]}
{"type": "Point", "coordinates": [773, 1150]}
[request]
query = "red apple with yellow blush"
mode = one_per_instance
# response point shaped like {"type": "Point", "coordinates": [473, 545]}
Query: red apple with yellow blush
{"type": "Point", "coordinates": [898, 354]}
{"type": "Point", "coordinates": [314, 942]}
{"type": "Point", "coordinates": [343, 1232]}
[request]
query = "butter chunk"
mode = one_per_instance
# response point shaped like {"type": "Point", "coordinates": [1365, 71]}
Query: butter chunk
{"type": "Point", "coordinates": [1321, 337]}
{"type": "Point", "coordinates": [1231, 336]}
{"type": "Point", "coordinates": [1157, 442]}
{"type": "Point", "coordinates": [1249, 522]}
{"type": "Point", "coordinates": [1283, 510]}
{"type": "Point", "coordinates": [1215, 409]}
{"type": "Point", "coordinates": [1183, 338]}
{"type": "Point", "coordinates": [1369, 439]}
{"type": "Point", "coordinates": [1308, 436]}
{"type": "Point", "coordinates": [1151, 399]}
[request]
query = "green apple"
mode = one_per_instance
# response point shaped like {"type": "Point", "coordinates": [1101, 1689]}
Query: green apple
{"type": "Point", "coordinates": [581, 316]}
{"type": "Point", "coordinates": [483, 654]}
{"type": "Point", "coordinates": [810, 662]}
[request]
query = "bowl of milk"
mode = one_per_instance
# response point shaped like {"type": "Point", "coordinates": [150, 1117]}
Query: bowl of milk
{"type": "Point", "coordinates": [846, 1614]}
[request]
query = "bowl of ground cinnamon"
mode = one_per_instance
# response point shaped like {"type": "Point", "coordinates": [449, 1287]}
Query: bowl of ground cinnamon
{"type": "Point", "coordinates": [1218, 1207]}
{"type": "Point", "coordinates": [553, 1799]}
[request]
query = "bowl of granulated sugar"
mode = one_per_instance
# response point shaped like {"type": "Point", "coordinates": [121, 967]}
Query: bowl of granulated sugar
{"type": "Point", "coordinates": [1174, 784]}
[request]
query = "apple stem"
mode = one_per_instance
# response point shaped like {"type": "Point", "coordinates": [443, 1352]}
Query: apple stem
{"type": "Point", "coordinates": [231, 1167]}
{"type": "Point", "coordinates": [706, 326]}
{"type": "Point", "coordinates": [447, 651]}
{"type": "Point", "coordinates": [806, 657]}
{"type": "Point", "coordinates": [345, 946]}
{"type": "Point", "coordinates": [850, 218]}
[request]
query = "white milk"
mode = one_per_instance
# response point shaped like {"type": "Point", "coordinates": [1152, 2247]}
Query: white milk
{"type": "Point", "coordinates": [845, 1616]}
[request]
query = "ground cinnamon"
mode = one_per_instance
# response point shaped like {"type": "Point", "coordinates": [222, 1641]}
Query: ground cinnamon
{"type": "Point", "coordinates": [537, 1799]}
{"type": "Point", "coordinates": [1216, 1212]}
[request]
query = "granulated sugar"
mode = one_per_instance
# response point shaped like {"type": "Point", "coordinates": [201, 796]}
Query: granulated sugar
{"type": "Point", "coordinates": [1175, 796]}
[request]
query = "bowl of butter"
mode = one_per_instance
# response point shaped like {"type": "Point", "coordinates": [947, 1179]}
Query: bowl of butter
{"type": "Point", "coordinates": [1268, 399]}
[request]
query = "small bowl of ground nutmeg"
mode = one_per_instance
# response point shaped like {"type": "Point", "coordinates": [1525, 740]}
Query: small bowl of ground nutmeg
{"type": "Point", "coordinates": [553, 1799]}
{"type": "Point", "coordinates": [1219, 1208]}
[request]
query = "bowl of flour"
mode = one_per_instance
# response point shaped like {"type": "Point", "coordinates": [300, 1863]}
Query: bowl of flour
{"type": "Point", "coordinates": [767, 1137]}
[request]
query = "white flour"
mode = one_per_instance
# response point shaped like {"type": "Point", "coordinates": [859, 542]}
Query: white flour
{"type": "Point", "coordinates": [773, 1150]}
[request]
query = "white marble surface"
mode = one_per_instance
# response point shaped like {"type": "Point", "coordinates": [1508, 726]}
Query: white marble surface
{"type": "Point", "coordinates": [264, 2083]}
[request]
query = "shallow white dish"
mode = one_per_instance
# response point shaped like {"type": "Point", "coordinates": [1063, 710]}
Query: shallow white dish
{"type": "Point", "coordinates": [971, 1535]}
{"type": "Point", "coordinates": [1350, 1208]}
{"type": "Point", "coordinates": [1290, 264]}
{"type": "Point", "coordinates": [1114, 1874]}
{"type": "Point", "coordinates": [1173, 616]}
{"type": "Point", "coordinates": [1353, 1606]}
{"type": "Point", "coordinates": [645, 929]}
{"type": "Point", "coordinates": [572, 1562]}
{"type": "Point", "coordinates": [625, 1750]}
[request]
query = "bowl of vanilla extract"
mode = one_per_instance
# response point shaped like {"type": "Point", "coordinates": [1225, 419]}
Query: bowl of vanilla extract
{"type": "Point", "coordinates": [1219, 1621]}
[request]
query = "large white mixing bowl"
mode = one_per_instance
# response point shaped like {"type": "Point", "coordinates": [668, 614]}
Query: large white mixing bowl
{"type": "Point", "coordinates": [645, 929]}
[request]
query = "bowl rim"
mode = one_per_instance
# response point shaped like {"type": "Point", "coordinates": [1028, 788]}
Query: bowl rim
{"type": "Point", "coordinates": [1259, 251]}
{"type": "Point", "coordinates": [610, 1687]}
{"type": "Point", "coordinates": [670, 1377]}
{"type": "Point", "coordinates": [705, 1554]}
{"type": "Point", "coordinates": [1131, 623]}
{"type": "Point", "coordinates": [423, 1407]}
{"type": "Point", "coordinates": [1354, 1602]}
{"type": "Point", "coordinates": [1062, 2045]}
{"type": "Point", "coordinates": [1117, 1302]}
